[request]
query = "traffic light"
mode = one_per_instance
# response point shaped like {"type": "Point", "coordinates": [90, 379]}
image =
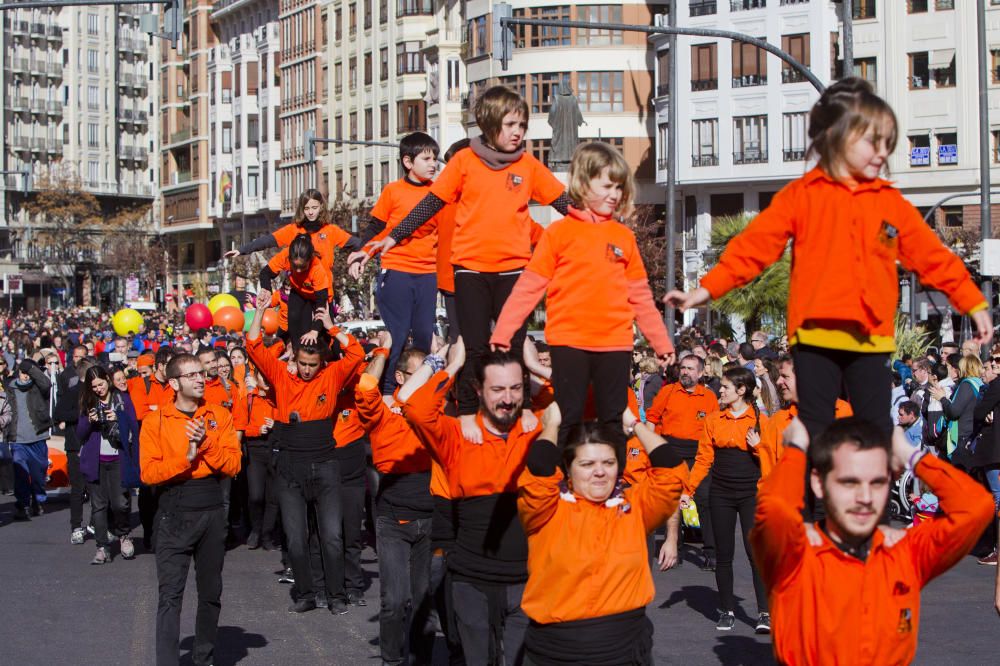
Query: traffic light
{"type": "Point", "coordinates": [26, 180]}
{"type": "Point", "coordinates": [503, 36]}
{"type": "Point", "coordinates": [309, 144]}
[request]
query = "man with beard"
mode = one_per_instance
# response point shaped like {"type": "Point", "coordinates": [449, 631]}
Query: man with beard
{"type": "Point", "coordinates": [850, 598]}
{"type": "Point", "coordinates": [490, 559]}
{"type": "Point", "coordinates": [678, 412]}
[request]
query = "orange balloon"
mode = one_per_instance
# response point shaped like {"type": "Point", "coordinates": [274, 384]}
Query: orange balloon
{"type": "Point", "coordinates": [229, 318]}
{"type": "Point", "coordinates": [270, 321]}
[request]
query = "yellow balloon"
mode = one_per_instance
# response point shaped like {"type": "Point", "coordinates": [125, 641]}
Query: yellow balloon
{"type": "Point", "coordinates": [126, 321]}
{"type": "Point", "coordinates": [221, 301]}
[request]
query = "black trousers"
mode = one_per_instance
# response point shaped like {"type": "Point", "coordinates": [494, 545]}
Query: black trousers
{"type": "Point", "coordinates": [574, 371]}
{"type": "Point", "coordinates": [726, 505]}
{"type": "Point", "coordinates": [822, 375]}
{"type": "Point", "coordinates": [440, 589]}
{"type": "Point", "coordinates": [352, 499]}
{"type": "Point", "coordinates": [452, 314]}
{"type": "Point", "coordinates": [149, 503]}
{"type": "Point", "coordinates": [300, 316]}
{"type": "Point", "coordinates": [181, 536]}
{"type": "Point", "coordinates": [109, 503]}
{"type": "Point", "coordinates": [77, 485]}
{"type": "Point", "coordinates": [483, 641]}
{"type": "Point", "coordinates": [404, 568]}
{"type": "Point", "coordinates": [260, 487]}
{"type": "Point", "coordinates": [479, 298]}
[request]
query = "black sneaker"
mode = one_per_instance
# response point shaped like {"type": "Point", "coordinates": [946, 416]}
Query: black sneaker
{"type": "Point", "coordinates": [302, 606]}
{"type": "Point", "coordinates": [708, 564]}
{"type": "Point", "coordinates": [763, 623]}
{"type": "Point", "coordinates": [338, 606]}
{"type": "Point", "coordinates": [727, 620]}
{"type": "Point", "coordinates": [286, 576]}
{"type": "Point", "coordinates": [356, 599]}
{"type": "Point", "coordinates": [21, 514]}
{"type": "Point", "coordinates": [253, 541]}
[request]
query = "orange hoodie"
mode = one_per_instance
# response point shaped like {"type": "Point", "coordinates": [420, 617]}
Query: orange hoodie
{"type": "Point", "coordinates": [828, 607]}
{"type": "Point", "coordinates": [845, 245]}
{"type": "Point", "coordinates": [163, 446]}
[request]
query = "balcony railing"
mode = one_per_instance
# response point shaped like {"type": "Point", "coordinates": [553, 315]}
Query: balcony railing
{"type": "Point", "coordinates": [55, 70]}
{"type": "Point", "coordinates": [125, 80]}
{"type": "Point", "coordinates": [19, 104]}
{"type": "Point", "coordinates": [661, 163]}
{"type": "Point", "coordinates": [749, 80]}
{"type": "Point", "coordinates": [792, 76]}
{"type": "Point", "coordinates": [53, 146]}
{"type": "Point", "coordinates": [794, 154]}
{"type": "Point", "coordinates": [750, 156]}
{"type": "Point", "coordinates": [38, 106]}
{"type": "Point", "coordinates": [54, 108]}
{"type": "Point", "coordinates": [19, 65]}
{"type": "Point", "coordinates": [39, 67]}
{"type": "Point", "coordinates": [19, 28]}
{"type": "Point", "coordinates": [21, 143]}
{"type": "Point", "coordinates": [782, 3]}
{"type": "Point", "coordinates": [704, 84]}
{"type": "Point", "coordinates": [702, 7]}
{"type": "Point", "coordinates": [744, 5]}
{"type": "Point", "coordinates": [38, 30]}
{"type": "Point", "coordinates": [38, 145]}
{"type": "Point", "coordinates": [54, 33]}
{"type": "Point", "coordinates": [704, 160]}
{"type": "Point", "coordinates": [180, 135]}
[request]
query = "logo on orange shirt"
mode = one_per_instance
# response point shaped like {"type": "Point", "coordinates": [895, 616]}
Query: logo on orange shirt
{"type": "Point", "coordinates": [701, 415]}
{"type": "Point", "coordinates": [212, 425]}
{"type": "Point", "coordinates": [514, 181]}
{"type": "Point", "coordinates": [905, 625]}
{"type": "Point", "coordinates": [344, 415]}
{"type": "Point", "coordinates": [613, 253]}
{"type": "Point", "coordinates": [887, 234]}
{"type": "Point", "coordinates": [321, 400]}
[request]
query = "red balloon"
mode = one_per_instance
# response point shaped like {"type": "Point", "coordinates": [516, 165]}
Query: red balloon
{"type": "Point", "coordinates": [229, 318]}
{"type": "Point", "coordinates": [198, 316]}
{"type": "Point", "coordinates": [270, 321]}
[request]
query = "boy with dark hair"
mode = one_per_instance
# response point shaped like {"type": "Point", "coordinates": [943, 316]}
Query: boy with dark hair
{"type": "Point", "coordinates": [406, 288]}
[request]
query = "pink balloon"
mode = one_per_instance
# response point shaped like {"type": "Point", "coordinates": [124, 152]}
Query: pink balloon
{"type": "Point", "coordinates": [198, 316]}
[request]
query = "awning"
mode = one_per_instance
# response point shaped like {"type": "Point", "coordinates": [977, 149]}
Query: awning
{"type": "Point", "coordinates": [941, 59]}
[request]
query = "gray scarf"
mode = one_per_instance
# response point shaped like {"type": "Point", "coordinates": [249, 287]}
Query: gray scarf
{"type": "Point", "coordinates": [492, 157]}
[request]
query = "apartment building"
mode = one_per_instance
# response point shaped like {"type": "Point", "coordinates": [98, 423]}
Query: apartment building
{"type": "Point", "coordinates": [378, 87]}
{"type": "Point", "coordinates": [611, 74]}
{"type": "Point", "coordinates": [80, 91]}
{"type": "Point", "coordinates": [303, 26]}
{"type": "Point", "coordinates": [243, 122]}
{"type": "Point", "coordinates": [192, 241]}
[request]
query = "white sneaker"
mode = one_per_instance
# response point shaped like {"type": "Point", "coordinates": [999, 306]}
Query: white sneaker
{"type": "Point", "coordinates": [77, 537]}
{"type": "Point", "coordinates": [127, 549]}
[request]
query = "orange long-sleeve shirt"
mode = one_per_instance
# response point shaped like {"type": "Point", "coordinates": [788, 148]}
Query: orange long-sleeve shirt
{"type": "Point", "coordinates": [472, 470]}
{"type": "Point", "coordinates": [828, 607]}
{"type": "Point", "coordinates": [582, 260]}
{"type": "Point", "coordinates": [845, 245]}
{"type": "Point", "coordinates": [314, 280]}
{"type": "Point", "coordinates": [156, 397]}
{"type": "Point", "coordinates": [325, 241]}
{"type": "Point", "coordinates": [250, 411]}
{"type": "Point", "coordinates": [589, 583]}
{"type": "Point", "coordinates": [218, 393]}
{"type": "Point", "coordinates": [163, 446]}
{"type": "Point", "coordinates": [315, 399]}
{"type": "Point", "coordinates": [723, 430]}
{"type": "Point", "coordinates": [781, 418]}
{"type": "Point", "coordinates": [280, 301]}
{"type": "Point", "coordinates": [677, 412]}
{"type": "Point", "coordinates": [418, 253]}
{"type": "Point", "coordinates": [395, 447]}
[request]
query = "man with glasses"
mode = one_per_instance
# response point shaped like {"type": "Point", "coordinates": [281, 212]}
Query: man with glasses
{"type": "Point", "coordinates": [186, 449]}
{"type": "Point", "coordinates": [307, 471]}
{"type": "Point", "coordinates": [759, 341]}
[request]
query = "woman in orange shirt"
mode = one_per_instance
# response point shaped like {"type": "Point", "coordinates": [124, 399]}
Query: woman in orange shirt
{"type": "Point", "coordinates": [588, 569]}
{"type": "Point", "coordinates": [733, 450]}
{"type": "Point", "coordinates": [848, 228]}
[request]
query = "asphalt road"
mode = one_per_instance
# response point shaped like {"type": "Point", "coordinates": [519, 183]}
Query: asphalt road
{"type": "Point", "coordinates": [56, 608]}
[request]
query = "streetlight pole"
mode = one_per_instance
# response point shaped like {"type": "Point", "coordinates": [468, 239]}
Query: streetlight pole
{"type": "Point", "coordinates": [985, 217]}
{"type": "Point", "coordinates": [671, 229]}
{"type": "Point", "coordinates": [848, 21]}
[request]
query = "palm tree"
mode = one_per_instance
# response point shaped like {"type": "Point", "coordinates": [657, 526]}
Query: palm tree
{"type": "Point", "coordinates": [766, 295]}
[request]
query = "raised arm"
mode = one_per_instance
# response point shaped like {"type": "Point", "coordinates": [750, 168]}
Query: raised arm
{"type": "Point", "coordinates": [538, 485]}
{"type": "Point", "coordinates": [256, 245]}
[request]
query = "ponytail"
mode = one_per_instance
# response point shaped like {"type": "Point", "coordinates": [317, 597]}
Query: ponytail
{"type": "Point", "coordinates": [756, 415]}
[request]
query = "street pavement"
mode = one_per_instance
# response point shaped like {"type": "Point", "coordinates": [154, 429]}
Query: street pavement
{"type": "Point", "coordinates": [57, 608]}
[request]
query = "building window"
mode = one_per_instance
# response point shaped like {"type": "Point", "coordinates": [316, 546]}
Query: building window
{"type": "Point", "coordinates": [543, 88]}
{"type": "Point", "coordinates": [543, 35]}
{"type": "Point", "coordinates": [601, 92]}
{"type": "Point", "coordinates": [793, 130]}
{"type": "Point", "coordinates": [338, 77]}
{"type": "Point", "coordinates": [353, 136]}
{"type": "Point", "coordinates": [599, 14]}
{"type": "Point", "coordinates": [384, 120]}
{"type": "Point", "coordinates": [368, 14]}
{"type": "Point", "coordinates": [383, 174]}
{"type": "Point", "coordinates": [796, 46]}
{"type": "Point", "coordinates": [919, 71]}
{"type": "Point", "coordinates": [383, 67]}
{"type": "Point", "coordinates": [540, 150]}
{"type": "Point", "coordinates": [414, 7]}
{"type": "Point", "coordinates": [662, 73]}
{"type": "Point", "coordinates": [995, 65]}
{"type": "Point", "coordinates": [749, 139]}
{"type": "Point", "coordinates": [409, 59]}
{"type": "Point", "coordinates": [749, 65]}
{"type": "Point", "coordinates": [338, 27]}
{"type": "Point", "coordinates": [517, 83]}
{"type": "Point", "coordinates": [92, 61]}
{"type": "Point", "coordinates": [227, 138]}
{"type": "Point", "coordinates": [865, 68]}
{"type": "Point", "coordinates": [996, 145]}
{"type": "Point", "coordinates": [864, 9]}
{"type": "Point", "coordinates": [916, 6]}
{"type": "Point", "coordinates": [412, 116]}
{"type": "Point", "coordinates": [383, 11]}
{"type": "Point", "coordinates": [368, 69]}
{"type": "Point", "coordinates": [352, 73]}
{"type": "Point", "coordinates": [744, 5]}
{"type": "Point", "coordinates": [479, 35]}
{"type": "Point", "coordinates": [947, 151]}
{"type": "Point", "coordinates": [943, 5]}
{"type": "Point", "coordinates": [352, 19]}
{"type": "Point", "coordinates": [953, 216]}
{"type": "Point", "coordinates": [704, 67]}
{"type": "Point", "coordinates": [662, 146]}
{"type": "Point", "coordinates": [369, 180]}
{"type": "Point", "coordinates": [92, 24]}
{"type": "Point", "coordinates": [920, 150]}
{"type": "Point", "coordinates": [338, 127]}
{"type": "Point", "coordinates": [701, 7]}
{"type": "Point", "coordinates": [93, 135]}
{"type": "Point", "coordinates": [705, 142]}
{"type": "Point", "coordinates": [942, 66]}
{"type": "Point", "coordinates": [369, 125]}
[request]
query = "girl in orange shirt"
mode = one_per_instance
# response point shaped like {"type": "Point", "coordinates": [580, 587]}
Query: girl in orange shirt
{"type": "Point", "coordinates": [732, 449]}
{"type": "Point", "coordinates": [308, 280]}
{"type": "Point", "coordinates": [848, 228]}
{"type": "Point", "coordinates": [589, 268]}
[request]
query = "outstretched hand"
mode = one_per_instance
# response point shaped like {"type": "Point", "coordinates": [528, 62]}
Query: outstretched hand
{"type": "Point", "coordinates": [984, 326]}
{"type": "Point", "coordinates": [232, 254]}
{"type": "Point", "coordinates": [685, 301]}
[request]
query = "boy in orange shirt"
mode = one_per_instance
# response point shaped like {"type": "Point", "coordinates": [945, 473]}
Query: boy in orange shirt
{"type": "Point", "coordinates": [406, 288]}
{"type": "Point", "coordinates": [853, 599]}
{"type": "Point", "coordinates": [309, 280]}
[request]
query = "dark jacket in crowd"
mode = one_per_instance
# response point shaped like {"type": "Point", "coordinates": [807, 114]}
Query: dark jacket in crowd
{"type": "Point", "coordinates": [68, 406]}
{"type": "Point", "coordinates": [38, 400]}
{"type": "Point", "coordinates": [125, 437]}
{"type": "Point", "coordinates": [988, 449]}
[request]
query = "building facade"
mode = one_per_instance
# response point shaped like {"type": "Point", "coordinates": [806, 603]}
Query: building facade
{"type": "Point", "coordinates": [244, 105]}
